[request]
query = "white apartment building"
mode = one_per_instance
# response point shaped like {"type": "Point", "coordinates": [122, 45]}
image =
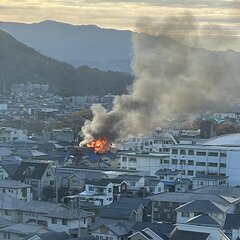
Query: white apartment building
{"type": "Point", "coordinates": [159, 142]}
{"type": "Point", "coordinates": [146, 162]}
{"type": "Point", "coordinates": [218, 156]}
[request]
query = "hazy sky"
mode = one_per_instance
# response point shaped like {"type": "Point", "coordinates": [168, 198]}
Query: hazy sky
{"type": "Point", "coordinates": [211, 18]}
{"type": "Point", "coordinates": [120, 14]}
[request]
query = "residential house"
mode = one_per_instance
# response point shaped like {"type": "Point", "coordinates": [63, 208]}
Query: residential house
{"type": "Point", "coordinates": [8, 167]}
{"type": "Point", "coordinates": [4, 152]}
{"type": "Point", "coordinates": [48, 236]}
{"type": "Point", "coordinates": [111, 231]}
{"type": "Point", "coordinates": [37, 211]}
{"type": "Point", "coordinates": [134, 182]}
{"type": "Point", "coordinates": [38, 174]}
{"type": "Point", "coordinates": [68, 219]}
{"type": "Point", "coordinates": [30, 154]}
{"type": "Point", "coordinates": [19, 231]}
{"type": "Point", "coordinates": [16, 189]}
{"type": "Point", "coordinates": [65, 134]}
{"type": "Point", "coordinates": [200, 227]}
{"type": "Point", "coordinates": [209, 180]}
{"type": "Point", "coordinates": [194, 208]}
{"type": "Point", "coordinates": [11, 134]}
{"type": "Point", "coordinates": [232, 226]}
{"type": "Point", "coordinates": [158, 231]}
{"type": "Point", "coordinates": [164, 204]}
{"type": "Point", "coordinates": [153, 185]}
{"type": "Point", "coordinates": [99, 192]}
{"type": "Point", "coordinates": [10, 208]}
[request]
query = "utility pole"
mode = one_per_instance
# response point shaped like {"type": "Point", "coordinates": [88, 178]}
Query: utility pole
{"type": "Point", "coordinates": [79, 217]}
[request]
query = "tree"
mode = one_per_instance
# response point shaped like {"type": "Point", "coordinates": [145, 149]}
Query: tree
{"type": "Point", "coordinates": [48, 193]}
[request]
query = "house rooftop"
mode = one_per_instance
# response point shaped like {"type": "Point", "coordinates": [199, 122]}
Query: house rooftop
{"type": "Point", "coordinates": [204, 206]}
{"type": "Point", "coordinates": [203, 220]}
{"type": "Point", "coordinates": [188, 235]}
{"type": "Point", "coordinates": [119, 228]}
{"type": "Point", "coordinates": [186, 197]}
{"type": "Point", "coordinates": [5, 183]}
{"type": "Point", "coordinates": [40, 206]}
{"type": "Point", "coordinates": [219, 190]}
{"type": "Point", "coordinates": [21, 228]}
{"type": "Point", "coordinates": [48, 236]}
{"type": "Point", "coordinates": [232, 221]}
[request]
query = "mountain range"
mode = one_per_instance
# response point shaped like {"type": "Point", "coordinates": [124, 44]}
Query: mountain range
{"type": "Point", "coordinates": [20, 63]}
{"type": "Point", "coordinates": [106, 49]}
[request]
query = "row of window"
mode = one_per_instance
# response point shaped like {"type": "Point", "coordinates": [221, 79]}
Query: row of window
{"type": "Point", "coordinates": [198, 153]}
{"type": "Point", "coordinates": [192, 163]}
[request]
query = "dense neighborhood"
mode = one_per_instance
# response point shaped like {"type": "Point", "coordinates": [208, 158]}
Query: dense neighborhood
{"type": "Point", "coordinates": [171, 185]}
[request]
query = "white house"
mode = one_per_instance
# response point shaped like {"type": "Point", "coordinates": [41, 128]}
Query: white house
{"type": "Point", "coordinates": [12, 134]}
{"type": "Point", "coordinates": [16, 189]}
{"type": "Point", "coordinates": [148, 162]}
{"type": "Point", "coordinates": [98, 192]}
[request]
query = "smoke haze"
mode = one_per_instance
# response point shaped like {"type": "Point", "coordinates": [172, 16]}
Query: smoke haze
{"type": "Point", "coordinates": [170, 78]}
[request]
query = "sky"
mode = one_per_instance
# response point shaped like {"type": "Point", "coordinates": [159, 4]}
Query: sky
{"type": "Point", "coordinates": [211, 17]}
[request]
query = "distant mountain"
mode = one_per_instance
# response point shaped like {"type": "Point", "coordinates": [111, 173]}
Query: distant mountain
{"type": "Point", "coordinates": [89, 45]}
{"type": "Point", "coordinates": [19, 64]}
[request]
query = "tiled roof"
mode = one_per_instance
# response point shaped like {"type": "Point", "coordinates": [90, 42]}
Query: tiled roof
{"type": "Point", "coordinates": [188, 235]}
{"type": "Point", "coordinates": [204, 206]}
{"type": "Point", "coordinates": [203, 220]}
{"type": "Point", "coordinates": [37, 169]}
{"type": "Point", "coordinates": [232, 221]}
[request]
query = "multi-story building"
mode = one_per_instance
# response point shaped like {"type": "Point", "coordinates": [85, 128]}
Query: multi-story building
{"type": "Point", "coordinates": [16, 189]}
{"type": "Point", "coordinates": [146, 162]}
{"type": "Point", "coordinates": [218, 156]}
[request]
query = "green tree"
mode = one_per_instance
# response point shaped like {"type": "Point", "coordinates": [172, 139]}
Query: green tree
{"type": "Point", "coordinates": [48, 193]}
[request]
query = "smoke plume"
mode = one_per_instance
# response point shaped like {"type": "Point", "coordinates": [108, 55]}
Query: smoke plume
{"type": "Point", "coordinates": [170, 78]}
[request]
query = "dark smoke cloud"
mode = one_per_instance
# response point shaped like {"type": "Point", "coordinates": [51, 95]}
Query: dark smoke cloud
{"type": "Point", "coordinates": [170, 78]}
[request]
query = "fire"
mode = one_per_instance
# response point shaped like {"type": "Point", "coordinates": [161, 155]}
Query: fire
{"type": "Point", "coordinates": [100, 145]}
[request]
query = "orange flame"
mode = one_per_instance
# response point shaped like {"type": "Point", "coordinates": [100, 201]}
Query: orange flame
{"type": "Point", "coordinates": [100, 145]}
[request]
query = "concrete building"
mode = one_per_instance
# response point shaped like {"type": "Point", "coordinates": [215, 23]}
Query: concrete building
{"type": "Point", "coordinates": [16, 189]}
{"type": "Point", "coordinates": [218, 156]}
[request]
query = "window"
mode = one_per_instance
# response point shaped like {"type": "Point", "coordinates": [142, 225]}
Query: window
{"type": "Point", "coordinates": [7, 213]}
{"type": "Point", "coordinates": [6, 235]}
{"type": "Point", "coordinates": [132, 184]}
{"type": "Point", "coordinates": [190, 172]}
{"type": "Point", "coordinates": [223, 165]}
{"type": "Point", "coordinates": [91, 189]}
{"type": "Point", "coordinates": [223, 154]}
{"type": "Point", "coordinates": [174, 151]}
{"type": "Point", "coordinates": [185, 214]}
{"type": "Point", "coordinates": [183, 152]}
{"type": "Point", "coordinates": [54, 220]}
{"type": "Point", "coordinates": [213, 154]}
{"type": "Point", "coordinates": [132, 160]}
{"type": "Point", "coordinates": [190, 162]}
{"type": "Point", "coordinates": [124, 159]}
{"type": "Point", "coordinates": [171, 178]}
{"type": "Point", "coordinates": [166, 149]}
{"type": "Point", "coordinates": [212, 164]}
{"type": "Point", "coordinates": [109, 190]}
{"type": "Point", "coordinates": [166, 161]}
{"type": "Point", "coordinates": [200, 163]}
{"type": "Point", "coordinates": [174, 161]}
{"type": "Point", "coordinates": [64, 222]}
{"type": "Point", "coordinates": [201, 153]}
{"type": "Point", "coordinates": [190, 152]}
{"type": "Point", "coordinates": [182, 162]}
